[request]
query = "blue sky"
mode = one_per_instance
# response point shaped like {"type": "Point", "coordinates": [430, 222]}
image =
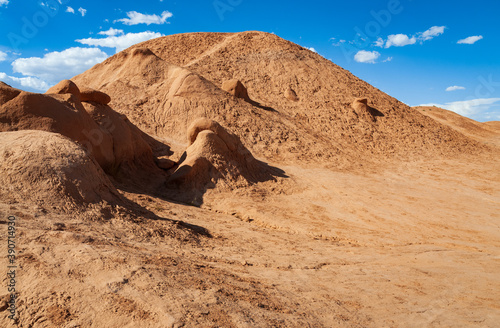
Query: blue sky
{"type": "Point", "coordinates": [420, 51]}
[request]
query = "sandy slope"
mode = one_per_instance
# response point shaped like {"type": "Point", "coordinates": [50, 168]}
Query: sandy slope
{"type": "Point", "coordinates": [376, 221]}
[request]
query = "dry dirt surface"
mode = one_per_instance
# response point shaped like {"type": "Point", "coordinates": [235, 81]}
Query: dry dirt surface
{"type": "Point", "coordinates": [313, 200]}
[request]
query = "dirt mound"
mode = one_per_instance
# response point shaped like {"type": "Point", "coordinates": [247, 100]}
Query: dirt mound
{"type": "Point", "coordinates": [7, 93]}
{"type": "Point", "coordinates": [51, 170]}
{"type": "Point", "coordinates": [488, 132]}
{"type": "Point", "coordinates": [164, 84]}
{"type": "Point", "coordinates": [216, 157]}
{"type": "Point", "coordinates": [60, 113]}
{"type": "Point", "coordinates": [236, 88]}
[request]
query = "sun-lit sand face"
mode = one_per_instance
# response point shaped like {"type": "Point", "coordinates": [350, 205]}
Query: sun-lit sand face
{"type": "Point", "coordinates": [147, 195]}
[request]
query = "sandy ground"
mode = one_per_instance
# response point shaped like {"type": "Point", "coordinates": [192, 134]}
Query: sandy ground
{"type": "Point", "coordinates": [408, 245]}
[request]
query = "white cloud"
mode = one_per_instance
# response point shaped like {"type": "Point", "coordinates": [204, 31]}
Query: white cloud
{"type": "Point", "coordinates": [379, 42]}
{"type": "Point", "coordinates": [399, 40]}
{"type": "Point", "coordinates": [27, 82]}
{"type": "Point", "coordinates": [3, 56]}
{"type": "Point", "coordinates": [312, 49]}
{"type": "Point", "coordinates": [70, 10]}
{"type": "Point", "coordinates": [135, 18]}
{"type": "Point", "coordinates": [470, 39]}
{"type": "Point", "coordinates": [364, 56]}
{"type": "Point", "coordinates": [111, 32]}
{"type": "Point", "coordinates": [468, 108]}
{"type": "Point", "coordinates": [455, 87]}
{"type": "Point", "coordinates": [82, 11]}
{"type": "Point", "coordinates": [56, 66]}
{"type": "Point", "coordinates": [121, 42]}
{"type": "Point", "coordinates": [388, 59]}
{"type": "Point", "coordinates": [4, 2]}
{"type": "Point", "coordinates": [431, 33]}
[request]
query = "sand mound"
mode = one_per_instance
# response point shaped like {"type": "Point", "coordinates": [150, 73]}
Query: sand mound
{"type": "Point", "coordinates": [60, 113]}
{"type": "Point", "coordinates": [321, 127]}
{"type": "Point", "coordinates": [487, 132]}
{"type": "Point", "coordinates": [216, 157]}
{"type": "Point", "coordinates": [7, 93]}
{"type": "Point", "coordinates": [116, 144]}
{"type": "Point", "coordinates": [236, 88]}
{"type": "Point", "coordinates": [51, 170]}
{"type": "Point", "coordinates": [130, 150]}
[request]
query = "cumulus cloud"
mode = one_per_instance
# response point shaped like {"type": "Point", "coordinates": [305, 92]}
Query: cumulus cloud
{"type": "Point", "coordinates": [4, 2]}
{"type": "Point", "coordinates": [111, 32]}
{"type": "Point", "coordinates": [56, 66]}
{"type": "Point", "coordinates": [470, 39]}
{"type": "Point", "coordinates": [431, 33]}
{"type": "Point", "coordinates": [3, 56]}
{"type": "Point", "coordinates": [312, 49]}
{"type": "Point", "coordinates": [70, 10]}
{"type": "Point", "coordinates": [364, 56]}
{"type": "Point", "coordinates": [135, 18]}
{"type": "Point", "coordinates": [27, 82]}
{"type": "Point", "coordinates": [468, 108]}
{"type": "Point", "coordinates": [399, 40]}
{"type": "Point", "coordinates": [120, 42]}
{"type": "Point", "coordinates": [455, 87]}
{"type": "Point", "coordinates": [82, 11]}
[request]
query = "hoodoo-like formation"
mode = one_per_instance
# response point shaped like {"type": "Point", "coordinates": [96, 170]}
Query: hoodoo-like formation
{"type": "Point", "coordinates": [65, 87]}
{"type": "Point", "coordinates": [216, 157]}
{"type": "Point", "coordinates": [48, 169]}
{"type": "Point", "coordinates": [236, 88]}
{"type": "Point", "coordinates": [60, 113]}
{"type": "Point", "coordinates": [112, 140]}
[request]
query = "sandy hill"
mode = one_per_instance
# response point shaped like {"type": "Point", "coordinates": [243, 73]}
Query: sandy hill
{"type": "Point", "coordinates": [487, 132]}
{"type": "Point", "coordinates": [240, 180]}
{"type": "Point", "coordinates": [301, 104]}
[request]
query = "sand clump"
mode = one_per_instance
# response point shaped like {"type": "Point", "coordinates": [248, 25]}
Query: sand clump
{"type": "Point", "coordinates": [290, 94]}
{"type": "Point", "coordinates": [91, 95]}
{"type": "Point", "coordinates": [236, 88]}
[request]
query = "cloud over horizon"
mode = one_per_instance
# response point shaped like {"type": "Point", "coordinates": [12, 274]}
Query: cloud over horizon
{"type": "Point", "coordinates": [56, 66]}
{"type": "Point", "coordinates": [468, 108]}
{"type": "Point", "coordinates": [119, 42]}
{"type": "Point", "coordinates": [28, 82]}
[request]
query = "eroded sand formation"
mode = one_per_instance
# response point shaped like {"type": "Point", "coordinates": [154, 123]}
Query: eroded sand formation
{"type": "Point", "coordinates": [240, 180]}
